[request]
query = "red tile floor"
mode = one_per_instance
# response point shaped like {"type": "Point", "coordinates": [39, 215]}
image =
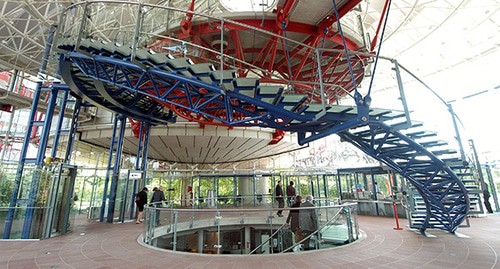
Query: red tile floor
{"type": "Point", "coordinates": [97, 245]}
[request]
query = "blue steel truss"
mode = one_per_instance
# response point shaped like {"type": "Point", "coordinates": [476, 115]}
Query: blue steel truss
{"type": "Point", "coordinates": [152, 86]}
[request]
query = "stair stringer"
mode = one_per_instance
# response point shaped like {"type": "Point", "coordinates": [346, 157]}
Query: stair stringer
{"type": "Point", "coordinates": [445, 196]}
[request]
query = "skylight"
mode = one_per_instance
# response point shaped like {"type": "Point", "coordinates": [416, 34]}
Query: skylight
{"type": "Point", "coordinates": [252, 5]}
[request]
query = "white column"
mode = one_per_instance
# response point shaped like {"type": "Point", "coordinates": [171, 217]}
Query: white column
{"type": "Point", "coordinates": [248, 240]}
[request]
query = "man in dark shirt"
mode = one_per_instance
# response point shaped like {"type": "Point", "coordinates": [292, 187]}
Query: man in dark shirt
{"type": "Point", "coordinates": [157, 200]}
{"type": "Point", "coordinates": [158, 197]}
{"type": "Point", "coordinates": [290, 193]}
{"type": "Point", "coordinates": [486, 196]}
{"type": "Point", "coordinates": [308, 221]}
{"type": "Point", "coordinates": [279, 198]}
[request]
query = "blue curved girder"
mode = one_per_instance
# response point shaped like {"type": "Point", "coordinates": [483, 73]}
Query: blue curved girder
{"type": "Point", "coordinates": [121, 84]}
{"type": "Point", "coordinates": [153, 85]}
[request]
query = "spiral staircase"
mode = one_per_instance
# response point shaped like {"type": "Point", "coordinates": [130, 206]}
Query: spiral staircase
{"type": "Point", "coordinates": [155, 87]}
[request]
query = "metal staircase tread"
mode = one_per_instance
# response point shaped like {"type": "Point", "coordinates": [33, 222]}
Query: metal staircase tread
{"type": "Point", "coordinates": [245, 82]}
{"type": "Point", "coordinates": [185, 73]}
{"type": "Point", "coordinates": [123, 50]}
{"type": "Point", "coordinates": [179, 63]}
{"type": "Point", "coordinates": [343, 109]}
{"type": "Point", "coordinates": [421, 134]}
{"type": "Point", "coordinates": [85, 44]}
{"type": "Point", "coordinates": [444, 151]}
{"type": "Point", "coordinates": [109, 48]}
{"type": "Point", "coordinates": [247, 92]}
{"type": "Point", "coordinates": [201, 69]}
{"type": "Point", "coordinates": [207, 80]}
{"type": "Point", "coordinates": [226, 75]}
{"type": "Point", "coordinates": [434, 143]}
{"type": "Point", "coordinates": [290, 108]}
{"type": "Point", "coordinates": [142, 54]}
{"type": "Point", "coordinates": [293, 98]}
{"type": "Point", "coordinates": [165, 67]}
{"type": "Point", "coordinates": [394, 114]}
{"type": "Point", "coordinates": [390, 139]}
{"type": "Point", "coordinates": [399, 126]}
{"type": "Point", "coordinates": [95, 45]}
{"type": "Point", "coordinates": [268, 100]}
{"type": "Point", "coordinates": [315, 108]}
{"type": "Point", "coordinates": [463, 175]}
{"type": "Point", "coordinates": [265, 90]}
{"type": "Point", "coordinates": [453, 161]}
{"type": "Point", "coordinates": [228, 86]}
{"type": "Point", "coordinates": [378, 112]}
{"type": "Point", "coordinates": [160, 58]}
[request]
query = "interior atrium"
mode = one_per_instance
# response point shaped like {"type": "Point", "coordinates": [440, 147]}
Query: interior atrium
{"type": "Point", "coordinates": [368, 108]}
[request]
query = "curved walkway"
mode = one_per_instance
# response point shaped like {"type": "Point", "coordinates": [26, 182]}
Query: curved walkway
{"type": "Point", "coordinates": [96, 245]}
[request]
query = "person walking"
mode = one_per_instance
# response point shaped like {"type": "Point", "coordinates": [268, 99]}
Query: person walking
{"type": "Point", "coordinates": [140, 200]}
{"type": "Point", "coordinates": [293, 219]}
{"type": "Point", "coordinates": [290, 193]}
{"type": "Point", "coordinates": [279, 198]}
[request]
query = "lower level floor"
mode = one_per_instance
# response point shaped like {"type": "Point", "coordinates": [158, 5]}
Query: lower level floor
{"type": "Point", "coordinates": [100, 245]}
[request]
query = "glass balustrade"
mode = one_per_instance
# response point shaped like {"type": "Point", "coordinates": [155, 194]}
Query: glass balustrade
{"type": "Point", "coordinates": [249, 230]}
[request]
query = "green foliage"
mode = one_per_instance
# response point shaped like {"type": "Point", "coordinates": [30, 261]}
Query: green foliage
{"type": "Point", "coordinates": [333, 192]}
{"type": "Point", "coordinates": [43, 187]}
{"type": "Point", "coordinates": [225, 187]}
{"type": "Point", "coordinates": [6, 186]}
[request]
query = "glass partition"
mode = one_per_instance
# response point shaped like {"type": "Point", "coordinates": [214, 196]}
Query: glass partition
{"type": "Point", "coordinates": [248, 231]}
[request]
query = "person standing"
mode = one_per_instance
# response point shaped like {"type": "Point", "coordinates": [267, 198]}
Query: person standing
{"type": "Point", "coordinates": [157, 201]}
{"type": "Point", "coordinates": [140, 200]}
{"type": "Point", "coordinates": [294, 220]}
{"type": "Point", "coordinates": [486, 197]}
{"type": "Point", "coordinates": [158, 197]}
{"type": "Point", "coordinates": [308, 220]}
{"type": "Point", "coordinates": [279, 198]}
{"type": "Point", "coordinates": [290, 193]}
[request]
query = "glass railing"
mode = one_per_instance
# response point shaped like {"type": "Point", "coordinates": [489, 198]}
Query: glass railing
{"type": "Point", "coordinates": [231, 201]}
{"type": "Point", "coordinates": [257, 230]}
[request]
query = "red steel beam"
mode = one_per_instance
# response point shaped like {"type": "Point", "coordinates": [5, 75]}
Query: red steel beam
{"type": "Point", "coordinates": [235, 37]}
{"type": "Point", "coordinates": [374, 40]}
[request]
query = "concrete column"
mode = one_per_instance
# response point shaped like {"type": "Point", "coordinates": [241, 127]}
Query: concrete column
{"type": "Point", "coordinates": [200, 241]}
{"type": "Point", "coordinates": [261, 187]}
{"type": "Point", "coordinates": [245, 189]}
{"type": "Point", "coordinates": [248, 240]}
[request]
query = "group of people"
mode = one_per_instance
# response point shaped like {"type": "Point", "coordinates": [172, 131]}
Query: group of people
{"type": "Point", "coordinates": [302, 222]}
{"type": "Point", "coordinates": [141, 200]}
{"type": "Point", "coordinates": [290, 196]}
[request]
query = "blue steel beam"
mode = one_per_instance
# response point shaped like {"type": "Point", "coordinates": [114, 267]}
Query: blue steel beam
{"type": "Point", "coordinates": [35, 180]}
{"type": "Point", "coordinates": [116, 170]}
{"type": "Point", "coordinates": [109, 168]}
{"type": "Point", "coordinates": [140, 162]}
{"type": "Point", "coordinates": [57, 135]}
{"type": "Point", "coordinates": [72, 130]}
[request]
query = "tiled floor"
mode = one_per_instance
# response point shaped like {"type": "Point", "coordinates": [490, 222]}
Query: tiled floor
{"type": "Point", "coordinates": [96, 245]}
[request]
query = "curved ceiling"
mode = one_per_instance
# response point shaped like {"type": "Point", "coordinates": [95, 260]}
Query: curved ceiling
{"type": "Point", "coordinates": [448, 34]}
